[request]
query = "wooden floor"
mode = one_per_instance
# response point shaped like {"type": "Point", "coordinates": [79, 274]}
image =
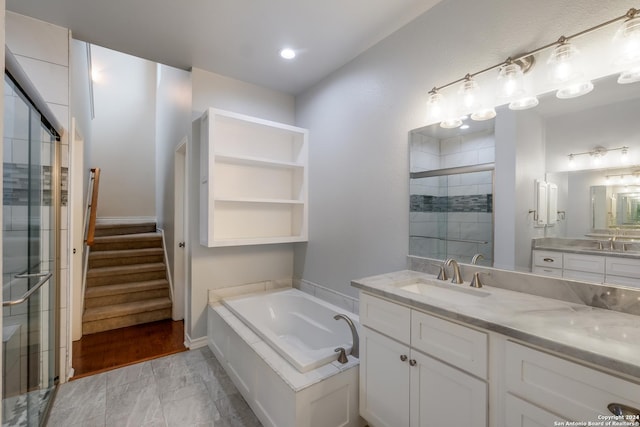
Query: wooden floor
{"type": "Point", "coordinates": [108, 350]}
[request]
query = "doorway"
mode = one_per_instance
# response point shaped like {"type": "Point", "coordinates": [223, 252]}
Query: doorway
{"type": "Point", "coordinates": [31, 203]}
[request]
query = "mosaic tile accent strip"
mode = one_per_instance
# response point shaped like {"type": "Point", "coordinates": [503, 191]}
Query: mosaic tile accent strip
{"type": "Point", "coordinates": [472, 203]}
{"type": "Point", "coordinates": [16, 185]}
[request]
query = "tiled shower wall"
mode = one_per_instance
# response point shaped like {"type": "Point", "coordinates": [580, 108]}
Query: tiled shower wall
{"type": "Point", "coordinates": [42, 49]}
{"type": "Point", "coordinates": [453, 207]}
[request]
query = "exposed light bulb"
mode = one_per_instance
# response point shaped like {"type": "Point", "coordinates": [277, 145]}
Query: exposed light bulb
{"type": "Point", "coordinates": [565, 72]}
{"type": "Point", "coordinates": [596, 159]}
{"type": "Point", "coordinates": [572, 161]}
{"type": "Point", "coordinates": [435, 106]}
{"type": "Point", "coordinates": [510, 81]}
{"type": "Point", "coordinates": [468, 93]}
{"type": "Point", "coordinates": [627, 41]}
{"type": "Point", "coordinates": [624, 157]}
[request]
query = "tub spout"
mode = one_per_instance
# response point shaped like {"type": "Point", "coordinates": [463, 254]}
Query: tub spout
{"type": "Point", "coordinates": [355, 349]}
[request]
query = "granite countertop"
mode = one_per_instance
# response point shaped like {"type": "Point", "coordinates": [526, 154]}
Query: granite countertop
{"type": "Point", "coordinates": [605, 338]}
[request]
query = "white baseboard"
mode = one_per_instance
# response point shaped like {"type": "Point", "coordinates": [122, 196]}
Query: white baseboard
{"type": "Point", "coordinates": [126, 219]}
{"type": "Point", "coordinates": [192, 344]}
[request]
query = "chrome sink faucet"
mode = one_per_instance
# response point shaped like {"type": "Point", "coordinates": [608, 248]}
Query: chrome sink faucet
{"type": "Point", "coordinates": [457, 278]}
{"type": "Point", "coordinates": [355, 348]}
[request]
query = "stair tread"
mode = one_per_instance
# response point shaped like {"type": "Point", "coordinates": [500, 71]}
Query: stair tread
{"type": "Point", "coordinates": [127, 237]}
{"type": "Point", "coordinates": [125, 309]}
{"type": "Point", "coordinates": [125, 253]}
{"type": "Point", "coordinates": [123, 288]}
{"type": "Point", "coordinates": [125, 269]}
{"type": "Point", "coordinates": [107, 225]}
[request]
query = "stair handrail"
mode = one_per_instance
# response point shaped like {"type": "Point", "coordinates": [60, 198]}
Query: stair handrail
{"type": "Point", "coordinates": [92, 206]}
{"type": "Point", "coordinates": [89, 226]}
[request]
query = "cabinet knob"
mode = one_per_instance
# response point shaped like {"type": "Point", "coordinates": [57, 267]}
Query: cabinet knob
{"type": "Point", "coordinates": [621, 410]}
{"type": "Point", "coordinates": [403, 357]}
{"type": "Point", "coordinates": [412, 362]}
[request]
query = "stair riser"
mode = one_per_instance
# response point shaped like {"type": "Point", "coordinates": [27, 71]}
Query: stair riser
{"type": "Point", "coordinates": [124, 260]}
{"type": "Point", "coordinates": [124, 298]}
{"type": "Point", "coordinates": [127, 244]}
{"type": "Point", "coordinates": [117, 231]}
{"type": "Point", "coordinates": [124, 321]}
{"type": "Point", "coordinates": [114, 279]}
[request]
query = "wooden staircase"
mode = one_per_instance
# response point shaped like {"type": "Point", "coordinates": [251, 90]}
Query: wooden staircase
{"type": "Point", "coordinates": [127, 278]}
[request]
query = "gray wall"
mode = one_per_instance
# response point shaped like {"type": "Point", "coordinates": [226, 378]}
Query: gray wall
{"type": "Point", "coordinates": [359, 117]}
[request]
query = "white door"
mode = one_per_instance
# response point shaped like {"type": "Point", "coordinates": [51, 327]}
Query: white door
{"type": "Point", "coordinates": [77, 204]}
{"type": "Point", "coordinates": [443, 396]}
{"type": "Point", "coordinates": [179, 237]}
{"type": "Point", "coordinates": [384, 380]}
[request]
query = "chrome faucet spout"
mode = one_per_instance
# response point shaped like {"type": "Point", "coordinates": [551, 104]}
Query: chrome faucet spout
{"type": "Point", "coordinates": [457, 277]}
{"type": "Point", "coordinates": [355, 348]}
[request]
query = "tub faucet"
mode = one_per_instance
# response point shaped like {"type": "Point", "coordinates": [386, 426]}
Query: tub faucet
{"type": "Point", "coordinates": [355, 349]}
{"type": "Point", "coordinates": [457, 278]}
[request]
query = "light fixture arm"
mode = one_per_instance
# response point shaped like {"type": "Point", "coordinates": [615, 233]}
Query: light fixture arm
{"type": "Point", "coordinates": [563, 39]}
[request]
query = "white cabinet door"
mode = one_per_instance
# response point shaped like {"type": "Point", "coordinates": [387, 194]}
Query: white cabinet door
{"type": "Point", "coordinates": [519, 413]}
{"type": "Point", "coordinates": [384, 380]}
{"type": "Point", "coordinates": [584, 263]}
{"type": "Point", "coordinates": [444, 396]}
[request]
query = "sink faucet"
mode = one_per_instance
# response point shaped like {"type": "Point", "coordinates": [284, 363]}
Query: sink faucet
{"type": "Point", "coordinates": [612, 242]}
{"type": "Point", "coordinates": [457, 278]}
{"type": "Point", "coordinates": [355, 348]}
{"type": "Point", "coordinates": [476, 258]}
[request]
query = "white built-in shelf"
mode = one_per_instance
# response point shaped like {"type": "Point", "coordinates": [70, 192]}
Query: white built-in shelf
{"type": "Point", "coordinates": [253, 181]}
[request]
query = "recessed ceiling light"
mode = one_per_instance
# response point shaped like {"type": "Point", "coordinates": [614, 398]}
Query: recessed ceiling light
{"type": "Point", "coordinates": [464, 127]}
{"type": "Point", "coordinates": [288, 53]}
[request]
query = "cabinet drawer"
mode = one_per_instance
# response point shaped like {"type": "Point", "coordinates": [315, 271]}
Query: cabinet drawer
{"type": "Point", "coordinates": [623, 267]}
{"type": "Point", "coordinates": [621, 280]}
{"type": "Point", "coordinates": [547, 271]}
{"type": "Point", "coordinates": [583, 275]}
{"type": "Point", "coordinates": [391, 319]}
{"type": "Point", "coordinates": [584, 263]}
{"type": "Point", "coordinates": [547, 259]}
{"type": "Point", "coordinates": [455, 344]}
{"type": "Point", "coordinates": [568, 389]}
{"type": "Point", "coordinates": [519, 413]}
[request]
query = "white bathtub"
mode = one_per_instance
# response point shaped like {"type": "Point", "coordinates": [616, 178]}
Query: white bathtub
{"type": "Point", "coordinates": [299, 327]}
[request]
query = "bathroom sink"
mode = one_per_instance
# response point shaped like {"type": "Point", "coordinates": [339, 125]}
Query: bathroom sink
{"type": "Point", "coordinates": [444, 291]}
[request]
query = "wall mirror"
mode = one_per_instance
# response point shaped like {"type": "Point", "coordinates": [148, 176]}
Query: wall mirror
{"type": "Point", "coordinates": [472, 189]}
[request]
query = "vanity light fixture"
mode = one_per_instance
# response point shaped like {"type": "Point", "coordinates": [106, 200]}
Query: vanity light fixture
{"type": "Point", "coordinates": [471, 99]}
{"type": "Point", "coordinates": [622, 177]}
{"type": "Point", "coordinates": [627, 43]}
{"type": "Point", "coordinates": [435, 105]}
{"type": "Point", "coordinates": [565, 71]}
{"type": "Point", "coordinates": [598, 153]}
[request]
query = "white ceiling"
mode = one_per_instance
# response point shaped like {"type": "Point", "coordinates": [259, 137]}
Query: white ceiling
{"type": "Point", "coordinates": [236, 38]}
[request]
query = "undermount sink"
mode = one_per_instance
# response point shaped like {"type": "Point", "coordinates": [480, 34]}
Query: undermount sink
{"type": "Point", "coordinates": [446, 291]}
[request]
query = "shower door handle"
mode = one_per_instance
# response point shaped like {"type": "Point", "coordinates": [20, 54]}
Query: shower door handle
{"type": "Point", "coordinates": [29, 275]}
{"type": "Point", "coordinates": [30, 292]}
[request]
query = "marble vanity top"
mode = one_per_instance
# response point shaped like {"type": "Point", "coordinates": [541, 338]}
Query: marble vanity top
{"type": "Point", "coordinates": [623, 249]}
{"type": "Point", "coordinates": [598, 336]}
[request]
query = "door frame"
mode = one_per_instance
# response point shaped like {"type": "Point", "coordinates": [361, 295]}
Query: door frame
{"type": "Point", "coordinates": [180, 230]}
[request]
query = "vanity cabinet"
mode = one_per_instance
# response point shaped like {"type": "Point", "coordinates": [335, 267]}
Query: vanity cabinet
{"type": "Point", "coordinates": [610, 269]}
{"type": "Point", "coordinates": [417, 370]}
{"type": "Point", "coordinates": [544, 388]}
{"type": "Point", "coordinates": [253, 180]}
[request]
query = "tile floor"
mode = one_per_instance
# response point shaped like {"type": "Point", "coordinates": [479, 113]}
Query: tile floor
{"type": "Point", "coordinates": [182, 390]}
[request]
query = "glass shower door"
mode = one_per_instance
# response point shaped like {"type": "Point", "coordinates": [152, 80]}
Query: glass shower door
{"type": "Point", "coordinates": [29, 281]}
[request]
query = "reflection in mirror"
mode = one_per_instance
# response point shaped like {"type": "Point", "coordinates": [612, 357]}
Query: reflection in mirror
{"type": "Point", "coordinates": [529, 146]}
{"type": "Point", "coordinates": [451, 186]}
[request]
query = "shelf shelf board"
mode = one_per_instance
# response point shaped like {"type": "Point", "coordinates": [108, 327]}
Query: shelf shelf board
{"type": "Point", "coordinates": [248, 160]}
{"type": "Point", "coordinates": [258, 200]}
{"type": "Point", "coordinates": [258, 241]}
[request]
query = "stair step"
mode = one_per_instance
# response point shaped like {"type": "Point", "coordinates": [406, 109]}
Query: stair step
{"type": "Point", "coordinates": [100, 296]}
{"type": "Point", "coordinates": [125, 274]}
{"type": "Point", "coordinates": [125, 257]}
{"type": "Point", "coordinates": [116, 316]}
{"type": "Point", "coordinates": [130, 228]}
{"type": "Point", "coordinates": [127, 241]}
